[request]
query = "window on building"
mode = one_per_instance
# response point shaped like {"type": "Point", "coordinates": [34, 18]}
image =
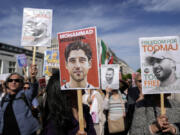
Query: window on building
{"type": "Point", "coordinates": [12, 66]}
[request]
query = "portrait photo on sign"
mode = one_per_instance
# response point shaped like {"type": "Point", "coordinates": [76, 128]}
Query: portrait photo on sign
{"type": "Point", "coordinates": [110, 76]}
{"type": "Point", "coordinates": [37, 27]}
{"type": "Point", "coordinates": [78, 59]}
{"type": "Point", "coordinates": [160, 64]}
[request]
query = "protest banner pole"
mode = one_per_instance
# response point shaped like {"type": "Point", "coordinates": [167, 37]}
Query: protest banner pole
{"type": "Point", "coordinates": [34, 55]}
{"type": "Point", "coordinates": [80, 110]}
{"type": "Point", "coordinates": [34, 58]}
{"type": "Point", "coordinates": [162, 104]}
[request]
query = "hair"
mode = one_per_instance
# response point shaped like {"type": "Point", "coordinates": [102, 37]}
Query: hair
{"type": "Point", "coordinates": [77, 45]}
{"type": "Point", "coordinates": [58, 106]}
{"type": "Point", "coordinates": [110, 69]}
{"type": "Point", "coordinates": [20, 77]}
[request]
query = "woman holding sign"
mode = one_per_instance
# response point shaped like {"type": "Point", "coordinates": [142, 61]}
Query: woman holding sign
{"type": "Point", "coordinates": [61, 113]}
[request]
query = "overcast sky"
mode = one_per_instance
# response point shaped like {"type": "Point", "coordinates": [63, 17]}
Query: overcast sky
{"type": "Point", "coordinates": [119, 23]}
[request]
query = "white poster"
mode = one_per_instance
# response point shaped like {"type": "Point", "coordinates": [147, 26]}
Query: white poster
{"type": "Point", "coordinates": [37, 27]}
{"type": "Point", "coordinates": [4, 76]}
{"type": "Point", "coordinates": [110, 76]}
{"type": "Point", "coordinates": [160, 64]}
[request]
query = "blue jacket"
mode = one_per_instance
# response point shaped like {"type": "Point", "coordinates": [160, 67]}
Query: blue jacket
{"type": "Point", "coordinates": [26, 122]}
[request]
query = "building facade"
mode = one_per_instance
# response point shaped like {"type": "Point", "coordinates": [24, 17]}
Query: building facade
{"type": "Point", "coordinates": [8, 62]}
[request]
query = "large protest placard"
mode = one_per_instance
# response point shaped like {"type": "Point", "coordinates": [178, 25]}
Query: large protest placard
{"type": "Point", "coordinates": [51, 60]}
{"type": "Point", "coordinates": [21, 60]}
{"type": "Point", "coordinates": [110, 76]}
{"type": "Point", "coordinates": [37, 27]}
{"type": "Point", "coordinates": [78, 59]}
{"type": "Point", "coordinates": [160, 64]}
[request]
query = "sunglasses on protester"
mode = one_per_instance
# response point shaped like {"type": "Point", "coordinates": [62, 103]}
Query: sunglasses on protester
{"type": "Point", "coordinates": [15, 80]}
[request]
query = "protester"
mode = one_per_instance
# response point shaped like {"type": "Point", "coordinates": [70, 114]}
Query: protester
{"type": "Point", "coordinates": [61, 112]}
{"type": "Point", "coordinates": [15, 116]}
{"type": "Point", "coordinates": [115, 104]}
{"type": "Point", "coordinates": [134, 95]}
{"type": "Point", "coordinates": [34, 104]}
{"type": "Point", "coordinates": [148, 119]}
{"type": "Point", "coordinates": [95, 100]}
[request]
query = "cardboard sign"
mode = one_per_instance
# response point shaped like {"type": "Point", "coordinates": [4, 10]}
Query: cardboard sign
{"type": "Point", "coordinates": [160, 64]}
{"type": "Point", "coordinates": [21, 60]}
{"type": "Point", "coordinates": [42, 82]}
{"type": "Point", "coordinates": [4, 76]}
{"type": "Point", "coordinates": [110, 76]}
{"type": "Point", "coordinates": [78, 59]}
{"type": "Point", "coordinates": [51, 60]}
{"type": "Point", "coordinates": [37, 27]}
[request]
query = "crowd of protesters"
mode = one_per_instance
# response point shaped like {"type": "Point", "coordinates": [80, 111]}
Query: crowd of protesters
{"type": "Point", "coordinates": [26, 109]}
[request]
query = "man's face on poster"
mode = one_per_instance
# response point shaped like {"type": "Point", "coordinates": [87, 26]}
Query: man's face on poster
{"type": "Point", "coordinates": [162, 68]}
{"type": "Point", "coordinates": [78, 65]}
{"type": "Point", "coordinates": [109, 75]}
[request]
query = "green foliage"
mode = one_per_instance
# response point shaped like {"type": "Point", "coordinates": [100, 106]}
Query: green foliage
{"type": "Point", "coordinates": [139, 70]}
{"type": "Point", "coordinates": [127, 76]}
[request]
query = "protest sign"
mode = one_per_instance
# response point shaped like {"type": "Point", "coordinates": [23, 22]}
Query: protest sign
{"type": "Point", "coordinates": [4, 76]}
{"type": "Point", "coordinates": [37, 27]}
{"type": "Point", "coordinates": [21, 60]}
{"type": "Point", "coordinates": [42, 82]}
{"type": "Point", "coordinates": [160, 64]}
{"type": "Point", "coordinates": [110, 76]}
{"type": "Point", "coordinates": [78, 59]}
{"type": "Point", "coordinates": [51, 60]}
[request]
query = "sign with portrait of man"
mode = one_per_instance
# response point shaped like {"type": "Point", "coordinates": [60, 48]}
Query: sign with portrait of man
{"type": "Point", "coordinates": [160, 64]}
{"type": "Point", "coordinates": [78, 59]}
{"type": "Point", "coordinates": [37, 27]}
{"type": "Point", "coordinates": [110, 76]}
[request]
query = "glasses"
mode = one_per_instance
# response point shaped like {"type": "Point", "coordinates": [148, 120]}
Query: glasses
{"type": "Point", "coordinates": [26, 88]}
{"type": "Point", "coordinates": [139, 81]}
{"type": "Point", "coordinates": [15, 80]}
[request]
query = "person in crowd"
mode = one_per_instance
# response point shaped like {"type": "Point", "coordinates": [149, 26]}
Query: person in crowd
{"type": "Point", "coordinates": [134, 95]}
{"type": "Point", "coordinates": [78, 56]}
{"type": "Point", "coordinates": [95, 100]}
{"type": "Point", "coordinates": [129, 82]}
{"type": "Point", "coordinates": [61, 112]}
{"type": "Point", "coordinates": [34, 104]}
{"type": "Point", "coordinates": [15, 116]}
{"type": "Point", "coordinates": [148, 119]}
{"type": "Point", "coordinates": [114, 103]}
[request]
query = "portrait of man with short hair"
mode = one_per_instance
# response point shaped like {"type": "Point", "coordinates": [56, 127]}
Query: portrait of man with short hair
{"type": "Point", "coordinates": [110, 76]}
{"type": "Point", "coordinates": [78, 61]}
{"type": "Point", "coordinates": [164, 68]}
